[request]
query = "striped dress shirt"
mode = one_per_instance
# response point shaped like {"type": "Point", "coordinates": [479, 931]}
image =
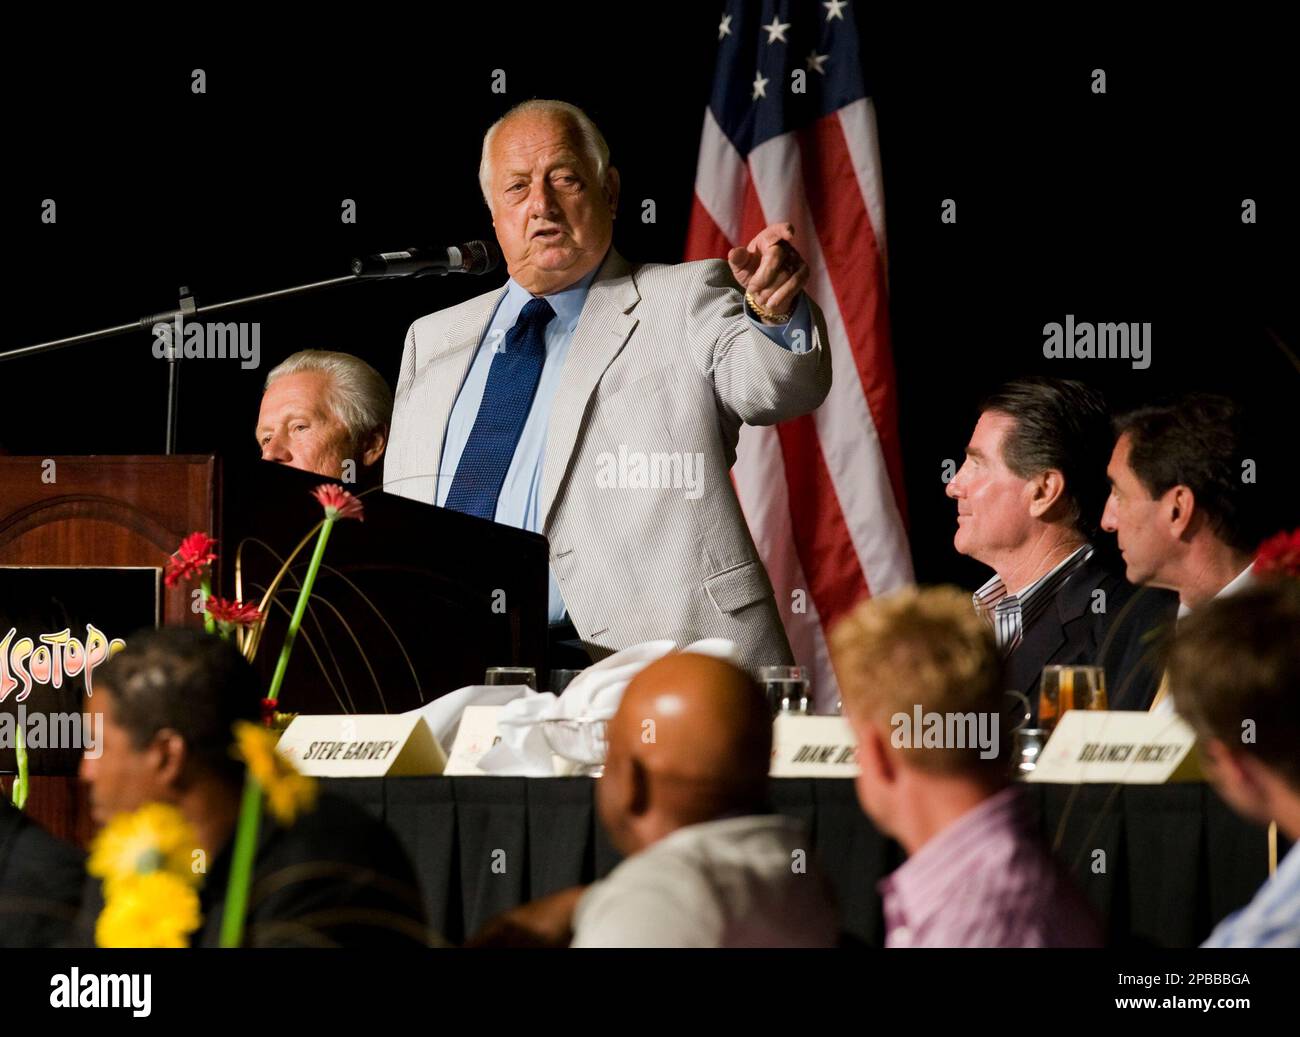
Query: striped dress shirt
{"type": "Point", "coordinates": [1011, 614]}
{"type": "Point", "coordinates": [1272, 918]}
{"type": "Point", "coordinates": [985, 881]}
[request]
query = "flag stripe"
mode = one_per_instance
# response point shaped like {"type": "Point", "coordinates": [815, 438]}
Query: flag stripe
{"type": "Point", "coordinates": [762, 463]}
{"type": "Point", "coordinates": [863, 499]}
{"type": "Point", "coordinates": [858, 121]}
{"type": "Point", "coordinates": [820, 535]}
{"type": "Point", "coordinates": [720, 183]}
{"type": "Point", "coordinates": [704, 237]}
{"type": "Point", "coordinates": [823, 494]}
{"type": "Point", "coordinates": [857, 277]}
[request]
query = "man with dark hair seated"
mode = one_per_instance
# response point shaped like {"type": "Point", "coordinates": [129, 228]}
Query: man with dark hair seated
{"type": "Point", "coordinates": [1234, 675]}
{"type": "Point", "coordinates": [336, 877]}
{"type": "Point", "coordinates": [1029, 496]}
{"type": "Point", "coordinates": [1183, 505]}
{"type": "Point", "coordinates": [40, 882]}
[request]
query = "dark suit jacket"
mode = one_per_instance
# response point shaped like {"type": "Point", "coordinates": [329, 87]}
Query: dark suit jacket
{"type": "Point", "coordinates": [337, 878]}
{"type": "Point", "coordinates": [40, 882]}
{"type": "Point", "coordinates": [1127, 638]}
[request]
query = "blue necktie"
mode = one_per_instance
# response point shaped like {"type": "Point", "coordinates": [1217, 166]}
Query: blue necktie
{"type": "Point", "coordinates": [507, 398]}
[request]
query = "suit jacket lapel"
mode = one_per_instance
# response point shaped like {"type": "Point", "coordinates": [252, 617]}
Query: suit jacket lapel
{"type": "Point", "coordinates": [1045, 638]}
{"type": "Point", "coordinates": [602, 329]}
{"type": "Point", "coordinates": [1040, 643]}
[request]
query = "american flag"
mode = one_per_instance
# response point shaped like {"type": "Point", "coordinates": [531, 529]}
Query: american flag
{"type": "Point", "coordinates": [823, 494]}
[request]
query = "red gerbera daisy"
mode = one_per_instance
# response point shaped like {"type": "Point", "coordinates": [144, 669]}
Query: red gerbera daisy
{"type": "Point", "coordinates": [233, 613]}
{"type": "Point", "coordinates": [334, 498]}
{"type": "Point", "coordinates": [1279, 555]}
{"type": "Point", "coordinates": [190, 559]}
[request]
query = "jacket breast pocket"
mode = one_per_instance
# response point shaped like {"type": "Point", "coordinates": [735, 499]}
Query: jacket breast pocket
{"type": "Point", "coordinates": [637, 409]}
{"type": "Point", "coordinates": [732, 589]}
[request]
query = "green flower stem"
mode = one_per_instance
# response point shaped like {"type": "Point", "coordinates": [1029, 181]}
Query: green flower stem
{"type": "Point", "coordinates": [20, 783]}
{"type": "Point", "coordinates": [241, 866]}
{"type": "Point", "coordinates": [282, 664]}
{"type": "Point", "coordinates": [206, 585]}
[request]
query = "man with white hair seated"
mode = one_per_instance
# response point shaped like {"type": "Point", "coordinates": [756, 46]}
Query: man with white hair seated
{"type": "Point", "coordinates": [327, 413]}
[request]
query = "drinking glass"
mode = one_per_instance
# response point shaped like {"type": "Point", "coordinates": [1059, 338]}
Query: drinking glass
{"type": "Point", "coordinates": [497, 675]}
{"type": "Point", "coordinates": [561, 679]}
{"type": "Point", "coordinates": [1026, 744]}
{"type": "Point", "coordinates": [787, 688]}
{"type": "Point", "coordinates": [1064, 688]}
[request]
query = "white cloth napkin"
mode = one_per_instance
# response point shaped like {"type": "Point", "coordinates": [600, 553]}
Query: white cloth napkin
{"type": "Point", "coordinates": [443, 713]}
{"type": "Point", "coordinates": [524, 750]}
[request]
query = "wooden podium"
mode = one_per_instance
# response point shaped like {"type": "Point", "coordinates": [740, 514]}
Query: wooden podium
{"type": "Point", "coordinates": [99, 512]}
{"type": "Point", "coordinates": [411, 603]}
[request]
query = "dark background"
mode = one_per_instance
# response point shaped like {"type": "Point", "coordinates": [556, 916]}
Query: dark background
{"type": "Point", "coordinates": [1123, 207]}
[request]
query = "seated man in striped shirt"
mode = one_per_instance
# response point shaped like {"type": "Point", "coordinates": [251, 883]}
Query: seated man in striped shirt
{"type": "Point", "coordinates": [976, 875]}
{"type": "Point", "coordinates": [1029, 496]}
{"type": "Point", "coordinates": [1234, 675]}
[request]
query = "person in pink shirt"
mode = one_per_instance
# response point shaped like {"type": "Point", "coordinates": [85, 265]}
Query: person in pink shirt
{"type": "Point", "coordinates": [921, 682]}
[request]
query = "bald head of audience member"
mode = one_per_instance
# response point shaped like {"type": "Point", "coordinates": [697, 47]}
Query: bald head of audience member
{"type": "Point", "coordinates": [926, 650]}
{"type": "Point", "coordinates": [691, 742]}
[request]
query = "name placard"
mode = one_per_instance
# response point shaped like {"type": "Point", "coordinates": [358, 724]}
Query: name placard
{"type": "Point", "coordinates": [475, 736]}
{"type": "Point", "coordinates": [813, 747]}
{"type": "Point", "coordinates": [362, 746]}
{"type": "Point", "coordinates": [1096, 746]}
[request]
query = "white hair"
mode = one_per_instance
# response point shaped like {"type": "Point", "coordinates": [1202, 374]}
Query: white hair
{"type": "Point", "coordinates": [359, 396]}
{"type": "Point", "coordinates": [589, 138]}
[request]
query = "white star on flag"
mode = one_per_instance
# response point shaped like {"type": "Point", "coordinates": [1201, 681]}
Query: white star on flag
{"type": "Point", "coordinates": [835, 9]}
{"type": "Point", "coordinates": [817, 61]}
{"type": "Point", "coordinates": [724, 27]}
{"type": "Point", "coordinates": [776, 31]}
{"type": "Point", "coordinates": [760, 87]}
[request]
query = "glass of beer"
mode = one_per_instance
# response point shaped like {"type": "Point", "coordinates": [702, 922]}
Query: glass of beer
{"type": "Point", "coordinates": [1063, 688]}
{"type": "Point", "coordinates": [787, 688]}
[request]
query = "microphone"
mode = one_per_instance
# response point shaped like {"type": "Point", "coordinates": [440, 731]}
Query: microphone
{"type": "Point", "coordinates": [471, 257]}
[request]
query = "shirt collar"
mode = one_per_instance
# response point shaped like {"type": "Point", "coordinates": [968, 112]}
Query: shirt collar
{"type": "Point", "coordinates": [994, 591]}
{"type": "Point", "coordinates": [989, 594]}
{"type": "Point", "coordinates": [566, 303]}
{"type": "Point", "coordinates": [1244, 580]}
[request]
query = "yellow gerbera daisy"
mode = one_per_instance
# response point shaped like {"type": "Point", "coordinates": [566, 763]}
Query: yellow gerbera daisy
{"type": "Point", "coordinates": [157, 909]}
{"type": "Point", "coordinates": [288, 793]}
{"type": "Point", "coordinates": [154, 838]}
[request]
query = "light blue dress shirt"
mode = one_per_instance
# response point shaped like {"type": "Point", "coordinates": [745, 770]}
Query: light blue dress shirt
{"type": "Point", "coordinates": [520, 502]}
{"type": "Point", "coordinates": [1272, 918]}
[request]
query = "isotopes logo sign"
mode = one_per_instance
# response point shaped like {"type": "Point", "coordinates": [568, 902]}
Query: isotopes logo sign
{"type": "Point", "coordinates": [25, 663]}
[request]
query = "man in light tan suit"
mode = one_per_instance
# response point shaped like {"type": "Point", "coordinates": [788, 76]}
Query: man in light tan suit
{"type": "Point", "coordinates": [600, 402]}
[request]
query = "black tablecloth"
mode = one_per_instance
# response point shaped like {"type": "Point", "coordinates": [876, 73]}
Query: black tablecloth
{"type": "Point", "coordinates": [1162, 864]}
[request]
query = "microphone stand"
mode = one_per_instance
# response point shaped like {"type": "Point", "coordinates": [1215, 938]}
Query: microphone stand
{"type": "Point", "coordinates": [187, 308]}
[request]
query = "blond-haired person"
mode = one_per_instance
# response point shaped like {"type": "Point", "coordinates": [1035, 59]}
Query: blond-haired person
{"type": "Point", "coordinates": [921, 678]}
